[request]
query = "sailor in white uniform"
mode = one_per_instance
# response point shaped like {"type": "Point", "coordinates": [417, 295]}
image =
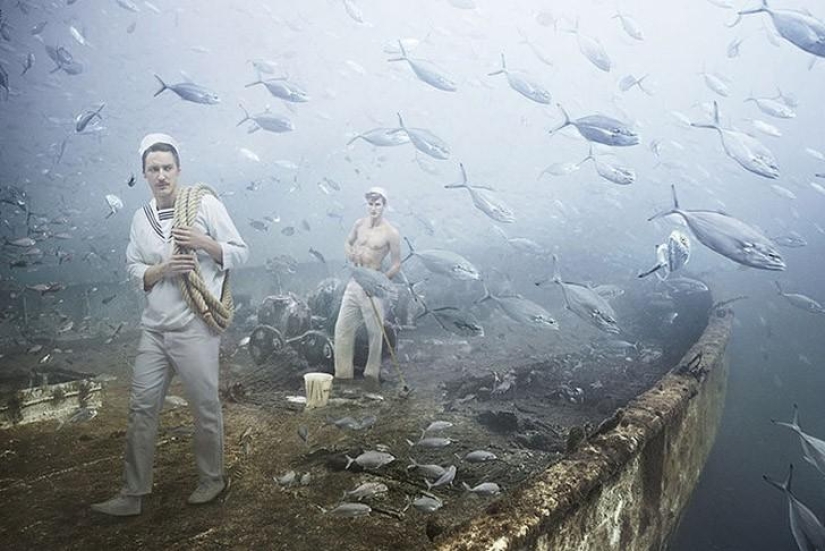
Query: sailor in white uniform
{"type": "Point", "coordinates": [175, 339]}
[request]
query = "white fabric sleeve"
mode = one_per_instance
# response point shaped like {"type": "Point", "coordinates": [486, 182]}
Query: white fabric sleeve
{"type": "Point", "coordinates": [136, 262]}
{"type": "Point", "coordinates": [223, 230]}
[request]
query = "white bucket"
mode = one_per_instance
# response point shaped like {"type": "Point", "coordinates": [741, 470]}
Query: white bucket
{"type": "Point", "coordinates": [318, 386]}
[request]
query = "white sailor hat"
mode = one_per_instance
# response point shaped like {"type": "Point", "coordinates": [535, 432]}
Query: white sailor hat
{"type": "Point", "coordinates": [376, 190]}
{"type": "Point", "coordinates": [151, 139]}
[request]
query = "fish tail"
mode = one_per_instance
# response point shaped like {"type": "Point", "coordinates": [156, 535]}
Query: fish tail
{"type": "Point", "coordinates": [429, 484]}
{"type": "Point", "coordinates": [403, 51]}
{"type": "Point", "coordinates": [654, 269]}
{"type": "Point", "coordinates": [350, 460]}
{"type": "Point", "coordinates": [794, 424]}
{"type": "Point", "coordinates": [503, 67]}
{"type": "Point", "coordinates": [556, 271]}
{"type": "Point", "coordinates": [353, 139]}
{"type": "Point", "coordinates": [163, 86]}
{"type": "Point", "coordinates": [674, 210]}
{"type": "Point", "coordinates": [782, 486]}
{"type": "Point", "coordinates": [246, 115]}
{"type": "Point", "coordinates": [778, 287]}
{"type": "Point", "coordinates": [400, 120]}
{"type": "Point", "coordinates": [563, 124]}
{"type": "Point", "coordinates": [465, 486]}
{"type": "Point", "coordinates": [487, 295]}
{"type": "Point", "coordinates": [412, 250]}
{"type": "Point", "coordinates": [259, 81]}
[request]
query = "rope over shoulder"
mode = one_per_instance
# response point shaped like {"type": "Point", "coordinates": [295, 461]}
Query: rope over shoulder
{"type": "Point", "coordinates": [216, 313]}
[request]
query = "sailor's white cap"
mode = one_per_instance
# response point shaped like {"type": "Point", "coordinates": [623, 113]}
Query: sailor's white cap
{"type": "Point", "coordinates": [376, 190]}
{"type": "Point", "coordinates": [151, 139]}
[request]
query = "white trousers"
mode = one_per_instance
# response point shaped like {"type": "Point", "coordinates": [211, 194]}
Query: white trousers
{"type": "Point", "coordinates": [355, 307]}
{"type": "Point", "coordinates": [192, 354]}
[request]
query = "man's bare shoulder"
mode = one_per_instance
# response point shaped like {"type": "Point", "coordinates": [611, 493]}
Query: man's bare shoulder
{"type": "Point", "coordinates": [392, 231]}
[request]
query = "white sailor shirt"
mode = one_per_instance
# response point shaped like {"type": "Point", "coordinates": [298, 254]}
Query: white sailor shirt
{"type": "Point", "coordinates": [150, 243]}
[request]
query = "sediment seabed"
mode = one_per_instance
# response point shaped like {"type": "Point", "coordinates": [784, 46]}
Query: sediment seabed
{"type": "Point", "coordinates": [528, 397]}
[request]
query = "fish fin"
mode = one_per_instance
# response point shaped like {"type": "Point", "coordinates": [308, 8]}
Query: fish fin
{"type": "Point", "coordinates": [412, 250]}
{"type": "Point", "coordinates": [163, 86]}
{"type": "Point", "coordinates": [563, 124]}
{"type": "Point", "coordinates": [782, 486]}
{"type": "Point", "coordinates": [401, 121]}
{"type": "Point", "coordinates": [778, 287]}
{"type": "Point", "coordinates": [246, 115]}
{"type": "Point", "coordinates": [500, 71]}
{"type": "Point", "coordinates": [487, 294]}
{"type": "Point", "coordinates": [259, 81]}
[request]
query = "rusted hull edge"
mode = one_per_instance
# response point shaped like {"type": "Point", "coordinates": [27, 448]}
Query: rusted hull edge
{"type": "Point", "coordinates": [625, 488]}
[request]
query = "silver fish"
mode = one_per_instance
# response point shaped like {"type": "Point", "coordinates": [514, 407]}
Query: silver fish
{"type": "Point", "coordinates": [374, 283]}
{"type": "Point", "coordinates": [806, 528]}
{"type": "Point", "coordinates": [716, 84]}
{"type": "Point", "coordinates": [629, 81]}
{"type": "Point", "coordinates": [799, 28]}
{"type": "Point", "coordinates": [773, 108]}
{"type": "Point", "coordinates": [427, 71]}
{"type": "Point", "coordinates": [428, 504]}
{"type": "Point", "coordinates": [523, 84]}
{"type": "Point", "coordinates": [434, 442]}
{"type": "Point", "coordinates": [601, 129]}
{"type": "Point", "coordinates": [128, 5]}
{"type": "Point", "coordinates": [729, 237]}
{"type": "Point", "coordinates": [686, 285]}
{"type": "Point", "coordinates": [190, 92]}
{"type": "Point", "coordinates": [282, 88]}
{"type": "Point", "coordinates": [630, 26]}
{"type": "Point", "coordinates": [426, 142]}
{"type": "Point", "coordinates": [483, 489]}
{"type": "Point", "coordinates": [428, 470]}
{"type": "Point", "coordinates": [456, 321]}
{"type": "Point", "coordinates": [436, 426]}
{"type": "Point", "coordinates": [733, 47]}
{"type": "Point", "coordinates": [670, 256]}
{"type": "Point", "coordinates": [586, 303]}
{"type": "Point", "coordinates": [746, 150]}
{"type": "Point", "coordinates": [792, 240]}
{"type": "Point", "coordinates": [608, 291]}
{"type": "Point", "coordinates": [800, 301]}
{"type": "Point", "coordinates": [485, 200]}
{"type": "Point", "coordinates": [383, 137]}
{"type": "Point", "coordinates": [267, 121]}
{"type": "Point", "coordinates": [288, 479]}
{"type": "Point", "coordinates": [349, 509]}
{"type": "Point", "coordinates": [28, 64]}
{"type": "Point", "coordinates": [610, 172]}
{"type": "Point", "coordinates": [766, 128]}
{"type": "Point", "coordinates": [446, 263]}
{"type": "Point", "coordinates": [592, 49]}
{"type": "Point", "coordinates": [353, 11]}
{"type": "Point", "coordinates": [367, 490]}
{"type": "Point", "coordinates": [522, 310]}
{"type": "Point", "coordinates": [444, 479]}
{"type": "Point", "coordinates": [522, 244]}
{"type": "Point", "coordinates": [84, 118]}
{"type": "Point", "coordinates": [370, 459]}
{"type": "Point", "coordinates": [813, 449]}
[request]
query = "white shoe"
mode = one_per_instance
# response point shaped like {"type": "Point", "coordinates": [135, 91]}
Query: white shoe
{"type": "Point", "coordinates": [207, 491]}
{"type": "Point", "coordinates": [120, 506]}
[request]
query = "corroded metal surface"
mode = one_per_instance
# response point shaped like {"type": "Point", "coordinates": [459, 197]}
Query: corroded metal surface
{"type": "Point", "coordinates": [626, 486]}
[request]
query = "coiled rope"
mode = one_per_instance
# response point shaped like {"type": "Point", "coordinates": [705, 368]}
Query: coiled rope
{"type": "Point", "coordinates": [216, 313]}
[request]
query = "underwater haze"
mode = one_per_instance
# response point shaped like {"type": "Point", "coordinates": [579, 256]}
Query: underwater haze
{"type": "Point", "coordinates": [290, 111]}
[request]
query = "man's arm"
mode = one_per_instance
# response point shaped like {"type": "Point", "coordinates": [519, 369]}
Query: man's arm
{"type": "Point", "coordinates": [395, 254]}
{"type": "Point", "coordinates": [349, 244]}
